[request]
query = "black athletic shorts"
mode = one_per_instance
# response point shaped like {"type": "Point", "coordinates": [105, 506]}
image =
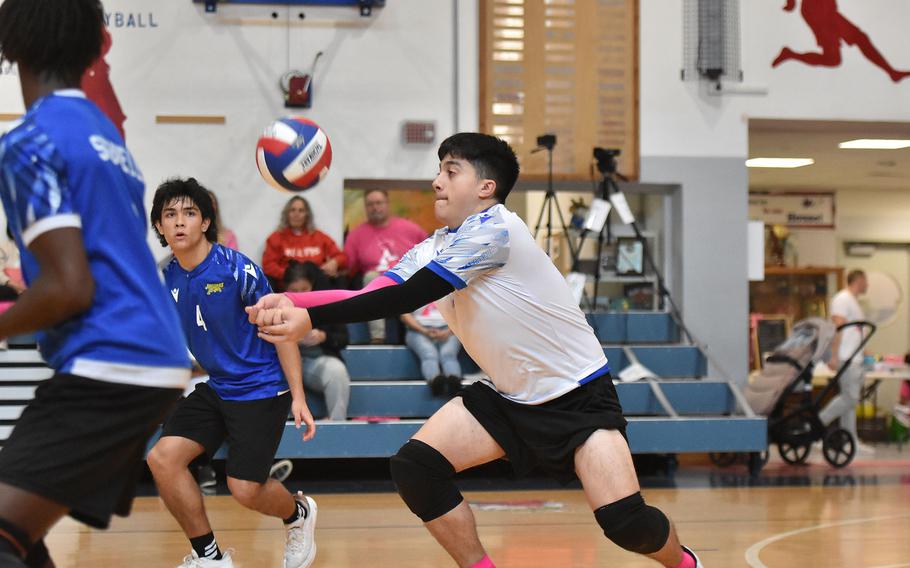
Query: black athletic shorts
{"type": "Point", "coordinates": [546, 435]}
{"type": "Point", "coordinates": [252, 428]}
{"type": "Point", "coordinates": [81, 443]}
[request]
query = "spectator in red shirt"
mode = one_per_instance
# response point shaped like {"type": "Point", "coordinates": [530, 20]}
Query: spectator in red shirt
{"type": "Point", "coordinates": [297, 239]}
{"type": "Point", "coordinates": [376, 245]}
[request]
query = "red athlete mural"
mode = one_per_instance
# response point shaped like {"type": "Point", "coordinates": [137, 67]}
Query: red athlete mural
{"type": "Point", "coordinates": [97, 86]}
{"type": "Point", "coordinates": [830, 28]}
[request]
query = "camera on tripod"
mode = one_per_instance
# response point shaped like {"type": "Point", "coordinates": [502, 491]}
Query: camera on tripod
{"type": "Point", "coordinates": [606, 159]}
{"type": "Point", "coordinates": [547, 141]}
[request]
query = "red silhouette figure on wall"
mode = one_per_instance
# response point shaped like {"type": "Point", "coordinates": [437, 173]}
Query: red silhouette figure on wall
{"type": "Point", "coordinates": [830, 28]}
{"type": "Point", "coordinates": [96, 84]}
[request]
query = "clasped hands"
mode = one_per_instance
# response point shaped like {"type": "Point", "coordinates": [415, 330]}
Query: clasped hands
{"type": "Point", "coordinates": [278, 320]}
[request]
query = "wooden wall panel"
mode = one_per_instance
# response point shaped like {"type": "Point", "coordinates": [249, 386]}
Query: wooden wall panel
{"type": "Point", "coordinates": [566, 67]}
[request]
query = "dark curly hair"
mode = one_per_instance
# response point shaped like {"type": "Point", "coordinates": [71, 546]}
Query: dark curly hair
{"type": "Point", "coordinates": [53, 39]}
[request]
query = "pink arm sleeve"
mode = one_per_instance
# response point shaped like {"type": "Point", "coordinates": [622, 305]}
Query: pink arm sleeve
{"type": "Point", "coordinates": [318, 298]}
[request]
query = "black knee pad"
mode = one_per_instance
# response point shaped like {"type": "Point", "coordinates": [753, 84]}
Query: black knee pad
{"type": "Point", "coordinates": [10, 560]}
{"type": "Point", "coordinates": [14, 540]}
{"type": "Point", "coordinates": [633, 525]}
{"type": "Point", "coordinates": [38, 556]}
{"type": "Point", "coordinates": [424, 478]}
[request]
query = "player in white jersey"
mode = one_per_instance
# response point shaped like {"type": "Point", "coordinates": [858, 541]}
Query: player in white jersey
{"type": "Point", "coordinates": [550, 400]}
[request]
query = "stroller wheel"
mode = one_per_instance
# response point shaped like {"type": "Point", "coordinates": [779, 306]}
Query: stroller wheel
{"type": "Point", "coordinates": [839, 447]}
{"type": "Point", "coordinates": [723, 459]}
{"type": "Point", "coordinates": [793, 454]}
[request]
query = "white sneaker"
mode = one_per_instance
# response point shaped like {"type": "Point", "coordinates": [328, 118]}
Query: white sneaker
{"type": "Point", "coordinates": [865, 449]}
{"type": "Point", "coordinates": [300, 549]}
{"type": "Point", "coordinates": [698, 563]}
{"type": "Point", "coordinates": [192, 560]}
{"type": "Point", "coordinates": [901, 413]}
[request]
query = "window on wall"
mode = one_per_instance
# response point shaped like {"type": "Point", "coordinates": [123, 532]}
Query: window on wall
{"type": "Point", "coordinates": [563, 67]}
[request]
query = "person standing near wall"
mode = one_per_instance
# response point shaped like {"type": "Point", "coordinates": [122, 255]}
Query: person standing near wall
{"type": "Point", "coordinates": [845, 308]}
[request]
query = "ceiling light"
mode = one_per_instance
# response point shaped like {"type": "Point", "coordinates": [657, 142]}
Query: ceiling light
{"type": "Point", "coordinates": [874, 144]}
{"type": "Point", "coordinates": [779, 162]}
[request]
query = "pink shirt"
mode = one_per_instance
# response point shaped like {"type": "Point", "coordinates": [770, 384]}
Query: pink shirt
{"type": "Point", "coordinates": [371, 248]}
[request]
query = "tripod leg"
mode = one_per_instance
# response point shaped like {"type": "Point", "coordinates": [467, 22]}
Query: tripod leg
{"type": "Point", "coordinates": [550, 199]}
{"type": "Point", "coordinates": [540, 217]}
{"type": "Point", "coordinates": [573, 253]}
{"type": "Point", "coordinates": [598, 260]}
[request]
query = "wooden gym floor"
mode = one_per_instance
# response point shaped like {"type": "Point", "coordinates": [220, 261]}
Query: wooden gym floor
{"type": "Point", "coordinates": [857, 517]}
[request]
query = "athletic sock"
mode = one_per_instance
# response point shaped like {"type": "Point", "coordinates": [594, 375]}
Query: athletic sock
{"type": "Point", "coordinates": [299, 511]}
{"type": "Point", "coordinates": [687, 561]}
{"type": "Point", "coordinates": [205, 547]}
{"type": "Point", "coordinates": [485, 562]}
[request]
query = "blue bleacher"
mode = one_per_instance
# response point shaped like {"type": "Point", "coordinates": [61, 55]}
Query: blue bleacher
{"type": "Point", "coordinates": [387, 387]}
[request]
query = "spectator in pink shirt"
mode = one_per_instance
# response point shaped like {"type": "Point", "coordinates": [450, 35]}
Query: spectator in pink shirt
{"type": "Point", "coordinates": [376, 245]}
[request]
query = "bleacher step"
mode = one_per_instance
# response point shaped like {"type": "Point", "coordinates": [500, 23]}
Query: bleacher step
{"type": "Point", "coordinates": [646, 435]}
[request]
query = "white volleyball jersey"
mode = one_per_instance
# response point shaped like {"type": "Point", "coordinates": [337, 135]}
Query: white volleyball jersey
{"type": "Point", "coordinates": [511, 308]}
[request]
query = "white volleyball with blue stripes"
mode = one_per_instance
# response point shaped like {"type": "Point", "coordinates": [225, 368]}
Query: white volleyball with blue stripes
{"type": "Point", "coordinates": [293, 154]}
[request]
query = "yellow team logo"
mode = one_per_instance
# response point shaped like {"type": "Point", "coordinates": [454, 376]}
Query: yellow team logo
{"type": "Point", "coordinates": [213, 288]}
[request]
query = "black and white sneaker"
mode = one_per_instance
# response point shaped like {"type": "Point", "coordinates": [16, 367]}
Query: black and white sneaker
{"type": "Point", "coordinates": [281, 470]}
{"type": "Point", "coordinates": [206, 477]}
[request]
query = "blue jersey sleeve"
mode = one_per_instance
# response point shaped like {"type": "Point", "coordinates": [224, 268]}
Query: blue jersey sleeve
{"type": "Point", "coordinates": [253, 282]}
{"type": "Point", "coordinates": [34, 174]}
{"type": "Point", "coordinates": [480, 245]}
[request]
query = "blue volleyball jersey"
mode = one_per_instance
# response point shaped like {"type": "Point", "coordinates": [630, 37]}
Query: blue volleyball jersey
{"type": "Point", "coordinates": [65, 165]}
{"type": "Point", "coordinates": [210, 302]}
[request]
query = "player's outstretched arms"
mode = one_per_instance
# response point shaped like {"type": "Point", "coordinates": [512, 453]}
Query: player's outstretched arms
{"type": "Point", "coordinates": [63, 289]}
{"type": "Point", "coordinates": [291, 324]}
{"type": "Point", "coordinates": [311, 299]}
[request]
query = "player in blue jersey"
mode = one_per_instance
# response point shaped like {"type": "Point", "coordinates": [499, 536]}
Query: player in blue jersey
{"type": "Point", "coordinates": [251, 385]}
{"type": "Point", "coordinates": [73, 198]}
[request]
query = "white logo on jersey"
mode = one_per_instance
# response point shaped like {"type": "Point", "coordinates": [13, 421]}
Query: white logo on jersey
{"type": "Point", "coordinates": [250, 269]}
{"type": "Point", "coordinates": [116, 154]}
{"type": "Point", "coordinates": [175, 292]}
{"type": "Point", "coordinates": [199, 321]}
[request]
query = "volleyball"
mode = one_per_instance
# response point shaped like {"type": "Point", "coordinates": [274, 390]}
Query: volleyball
{"type": "Point", "coordinates": [293, 154]}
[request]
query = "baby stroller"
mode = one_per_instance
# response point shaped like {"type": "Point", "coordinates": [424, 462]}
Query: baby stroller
{"type": "Point", "coordinates": [795, 425]}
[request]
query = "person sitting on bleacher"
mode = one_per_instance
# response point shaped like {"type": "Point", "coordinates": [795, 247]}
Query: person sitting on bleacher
{"type": "Point", "coordinates": [323, 369]}
{"type": "Point", "coordinates": [430, 338]}
{"type": "Point", "coordinates": [297, 238]}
